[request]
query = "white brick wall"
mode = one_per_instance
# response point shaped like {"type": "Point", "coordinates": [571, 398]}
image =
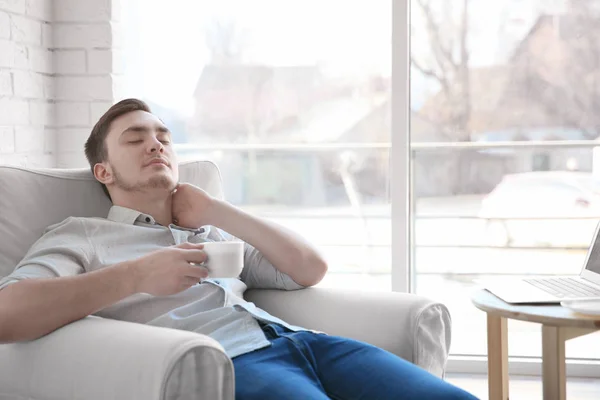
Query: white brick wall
{"type": "Point", "coordinates": [7, 139]}
{"type": "Point", "coordinates": [83, 10]}
{"type": "Point", "coordinates": [5, 83]}
{"type": "Point", "coordinates": [85, 39]}
{"type": "Point", "coordinates": [72, 114]}
{"type": "Point", "coordinates": [85, 87]}
{"type": "Point", "coordinates": [4, 25]}
{"type": "Point", "coordinates": [13, 6]}
{"type": "Point", "coordinates": [29, 85]}
{"type": "Point", "coordinates": [14, 112]}
{"type": "Point", "coordinates": [25, 30]}
{"type": "Point", "coordinates": [59, 71]}
{"type": "Point", "coordinates": [25, 95]}
{"type": "Point", "coordinates": [82, 36]}
{"type": "Point", "coordinates": [70, 61]}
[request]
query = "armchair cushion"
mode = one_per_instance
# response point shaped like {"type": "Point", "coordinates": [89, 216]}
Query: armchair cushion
{"type": "Point", "coordinates": [33, 199]}
{"type": "Point", "coordinates": [99, 359]}
{"type": "Point", "coordinates": [410, 326]}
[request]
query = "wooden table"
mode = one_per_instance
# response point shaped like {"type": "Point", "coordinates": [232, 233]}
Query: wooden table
{"type": "Point", "coordinates": [558, 325]}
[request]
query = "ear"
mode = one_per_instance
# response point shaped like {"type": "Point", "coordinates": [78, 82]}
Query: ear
{"type": "Point", "coordinates": [103, 173]}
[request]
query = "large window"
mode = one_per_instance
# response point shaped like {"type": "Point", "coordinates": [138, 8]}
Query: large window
{"type": "Point", "coordinates": [292, 101]}
{"type": "Point", "coordinates": [504, 120]}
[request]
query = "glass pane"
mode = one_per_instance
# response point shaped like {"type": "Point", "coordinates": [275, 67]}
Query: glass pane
{"type": "Point", "coordinates": [295, 114]}
{"type": "Point", "coordinates": [483, 74]}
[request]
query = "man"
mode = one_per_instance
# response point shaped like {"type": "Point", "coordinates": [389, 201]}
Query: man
{"type": "Point", "coordinates": [143, 264]}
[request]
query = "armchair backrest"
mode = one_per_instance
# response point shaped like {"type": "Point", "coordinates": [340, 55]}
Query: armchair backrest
{"type": "Point", "coordinates": [33, 199]}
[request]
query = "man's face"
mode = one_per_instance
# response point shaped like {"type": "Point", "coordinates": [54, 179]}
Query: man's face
{"type": "Point", "coordinates": [140, 154]}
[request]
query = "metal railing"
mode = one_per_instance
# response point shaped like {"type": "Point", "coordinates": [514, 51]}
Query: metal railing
{"type": "Point", "coordinates": [241, 147]}
{"type": "Point", "coordinates": [530, 144]}
{"type": "Point", "coordinates": [415, 148]}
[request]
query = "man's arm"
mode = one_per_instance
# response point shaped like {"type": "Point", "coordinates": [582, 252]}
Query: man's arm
{"type": "Point", "coordinates": [287, 251]}
{"type": "Point", "coordinates": [32, 308]}
{"type": "Point", "coordinates": [192, 207]}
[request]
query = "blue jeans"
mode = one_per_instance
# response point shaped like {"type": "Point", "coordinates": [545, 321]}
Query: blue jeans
{"type": "Point", "coordinates": [308, 366]}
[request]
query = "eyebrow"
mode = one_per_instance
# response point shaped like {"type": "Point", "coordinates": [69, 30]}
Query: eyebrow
{"type": "Point", "coordinates": [145, 129]}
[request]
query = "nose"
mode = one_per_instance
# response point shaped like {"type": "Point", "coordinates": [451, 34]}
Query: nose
{"type": "Point", "coordinates": [156, 146]}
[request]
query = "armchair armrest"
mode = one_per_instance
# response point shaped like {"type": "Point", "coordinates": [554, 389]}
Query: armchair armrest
{"type": "Point", "coordinates": [99, 359]}
{"type": "Point", "coordinates": [410, 326]}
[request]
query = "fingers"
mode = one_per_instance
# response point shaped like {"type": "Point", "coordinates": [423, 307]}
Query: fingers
{"type": "Point", "coordinates": [194, 256]}
{"type": "Point", "coordinates": [188, 246]}
{"type": "Point", "coordinates": [189, 281]}
{"type": "Point", "coordinates": [197, 272]}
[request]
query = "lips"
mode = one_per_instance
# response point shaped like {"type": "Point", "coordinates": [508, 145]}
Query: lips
{"type": "Point", "coordinates": [157, 161]}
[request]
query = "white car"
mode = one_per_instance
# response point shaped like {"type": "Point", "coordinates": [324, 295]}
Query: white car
{"type": "Point", "coordinates": [545, 208]}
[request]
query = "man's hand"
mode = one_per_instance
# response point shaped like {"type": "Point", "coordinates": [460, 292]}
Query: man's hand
{"type": "Point", "coordinates": [191, 206]}
{"type": "Point", "coordinates": [169, 271]}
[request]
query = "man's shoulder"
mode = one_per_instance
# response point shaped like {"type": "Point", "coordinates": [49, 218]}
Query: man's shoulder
{"type": "Point", "coordinates": [75, 224]}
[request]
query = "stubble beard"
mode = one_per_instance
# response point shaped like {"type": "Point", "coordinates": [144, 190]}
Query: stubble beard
{"type": "Point", "coordinates": [155, 182]}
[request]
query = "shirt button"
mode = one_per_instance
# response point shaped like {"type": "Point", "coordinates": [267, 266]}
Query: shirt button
{"type": "Point", "coordinates": [147, 219]}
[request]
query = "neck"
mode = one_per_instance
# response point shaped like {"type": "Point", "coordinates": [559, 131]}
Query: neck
{"type": "Point", "coordinates": [158, 205]}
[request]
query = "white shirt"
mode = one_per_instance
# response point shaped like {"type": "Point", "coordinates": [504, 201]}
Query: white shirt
{"type": "Point", "coordinates": [215, 307]}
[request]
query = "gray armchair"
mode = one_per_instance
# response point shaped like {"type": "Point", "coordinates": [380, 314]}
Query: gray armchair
{"type": "Point", "coordinates": [97, 358]}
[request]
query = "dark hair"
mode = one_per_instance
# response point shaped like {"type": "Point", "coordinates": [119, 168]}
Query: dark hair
{"type": "Point", "coordinates": [95, 146]}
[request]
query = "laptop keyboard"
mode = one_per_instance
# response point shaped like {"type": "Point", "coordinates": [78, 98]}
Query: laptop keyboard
{"type": "Point", "coordinates": [565, 287]}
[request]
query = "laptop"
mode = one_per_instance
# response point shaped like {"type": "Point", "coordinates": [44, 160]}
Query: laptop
{"type": "Point", "coordinates": [551, 290]}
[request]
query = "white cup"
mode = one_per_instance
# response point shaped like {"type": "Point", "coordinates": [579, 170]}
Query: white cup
{"type": "Point", "coordinates": [224, 259]}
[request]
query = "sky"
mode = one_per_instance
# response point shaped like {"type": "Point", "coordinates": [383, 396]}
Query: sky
{"type": "Point", "coordinates": [164, 45]}
{"type": "Point", "coordinates": [168, 46]}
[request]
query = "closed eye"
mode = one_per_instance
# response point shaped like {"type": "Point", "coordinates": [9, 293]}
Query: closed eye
{"type": "Point", "coordinates": [135, 141]}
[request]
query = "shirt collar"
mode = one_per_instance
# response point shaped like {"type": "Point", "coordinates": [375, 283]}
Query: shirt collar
{"type": "Point", "coordinates": [129, 216]}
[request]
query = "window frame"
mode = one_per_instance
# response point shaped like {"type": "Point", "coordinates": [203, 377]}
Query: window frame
{"type": "Point", "coordinates": [402, 204]}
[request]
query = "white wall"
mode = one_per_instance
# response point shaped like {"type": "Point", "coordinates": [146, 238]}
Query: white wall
{"type": "Point", "coordinates": [86, 65]}
{"type": "Point", "coordinates": [26, 133]}
{"type": "Point", "coordinates": [59, 71]}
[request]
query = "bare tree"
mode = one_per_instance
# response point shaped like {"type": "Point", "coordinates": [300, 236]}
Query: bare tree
{"type": "Point", "coordinates": [225, 41]}
{"type": "Point", "coordinates": [565, 79]}
{"type": "Point", "coordinates": [447, 62]}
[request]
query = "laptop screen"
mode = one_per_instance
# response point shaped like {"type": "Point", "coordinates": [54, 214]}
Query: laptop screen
{"type": "Point", "coordinates": [593, 260]}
